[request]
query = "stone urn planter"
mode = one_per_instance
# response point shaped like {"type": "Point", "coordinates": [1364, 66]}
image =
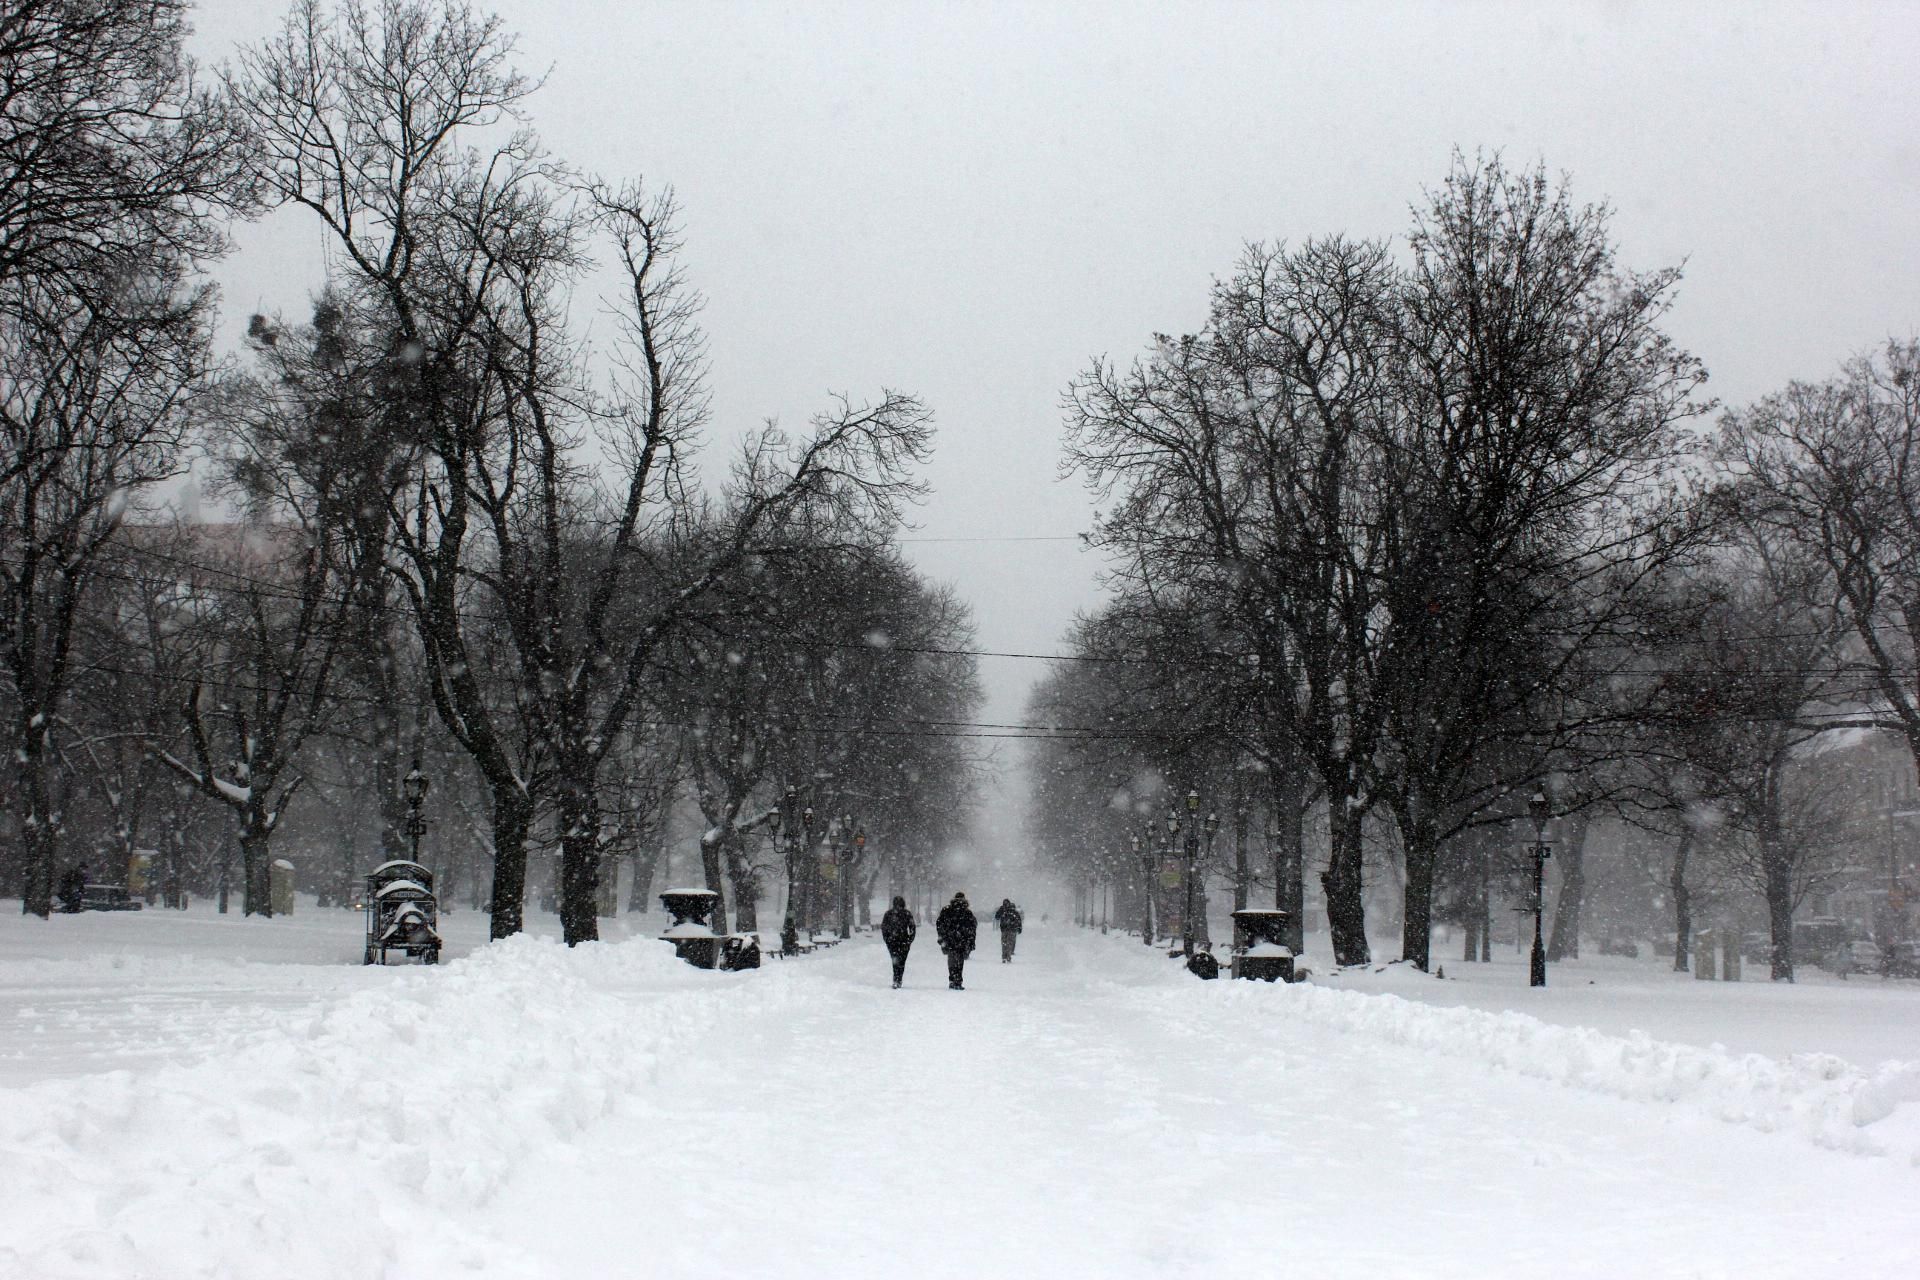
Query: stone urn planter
{"type": "Point", "coordinates": [1261, 952]}
{"type": "Point", "coordinates": [691, 932]}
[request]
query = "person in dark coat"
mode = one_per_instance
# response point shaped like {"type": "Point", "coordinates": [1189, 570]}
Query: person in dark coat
{"type": "Point", "coordinates": [72, 890]}
{"type": "Point", "coordinates": [956, 928]}
{"type": "Point", "coordinates": [1009, 920]}
{"type": "Point", "coordinates": [896, 930]}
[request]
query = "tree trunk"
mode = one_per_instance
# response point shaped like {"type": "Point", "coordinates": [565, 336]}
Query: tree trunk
{"type": "Point", "coordinates": [1779, 886]}
{"type": "Point", "coordinates": [712, 871]}
{"type": "Point", "coordinates": [256, 860]}
{"type": "Point", "coordinates": [1486, 904]}
{"type": "Point", "coordinates": [844, 879]}
{"type": "Point", "coordinates": [579, 864]}
{"type": "Point", "coordinates": [1470, 896]}
{"type": "Point", "coordinates": [1565, 943]}
{"type": "Point", "coordinates": [1346, 904]}
{"type": "Point", "coordinates": [1146, 899]}
{"type": "Point", "coordinates": [512, 819]}
{"type": "Point", "coordinates": [1682, 901]}
{"type": "Point", "coordinates": [746, 908]}
{"type": "Point", "coordinates": [1473, 894]}
{"type": "Point", "coordinates": [1289, 854]}
{"type": "Point", "coordinates": [646, 866]}
{"type": "Point", "coordinates": [1242, 875]}
{"type": "Point", "coordinates": [1416, 919]}
{"type": "Point", "coordinates": [175, 895]}
{"type": "Point", "coordinates": [39, 832]}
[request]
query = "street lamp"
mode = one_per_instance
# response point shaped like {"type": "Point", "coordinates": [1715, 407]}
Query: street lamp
{"type": "Point", "coordinates": [846, 873]}
{"type": "Point", "coordinates": [1106, 893]}
{"type": "Point", "coordinates": [1192, 851]}
{"type": "Point", "coordinates": [790, 839]}
{"type": "Point", "coordinates": [809, 905]}
{"type": "Point", "coordinates": [1143, 858]}
{"type": "Point", "coordinates": [1173, 835]}
{"type": "Point", "coordinates": [415, 786]}
{"type": "Point", "coordinates": [1540, 811]}
{"type": "Point", "coordinates": [1212, 828]}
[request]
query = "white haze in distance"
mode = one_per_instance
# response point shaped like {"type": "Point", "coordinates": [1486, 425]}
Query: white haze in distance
{"type": "Point", "coordinates": [968, 201]}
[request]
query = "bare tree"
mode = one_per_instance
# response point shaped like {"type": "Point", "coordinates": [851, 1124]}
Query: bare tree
{"type": "Point", "coordinates": [111, 154]}
{"type": "Point", "coordinates": [473, 259]}
{"type": "Point", "coordinates": [1527, 483]}
{"type": "Point", "coordinates": [94, 407]}
{"type": "Point", "coordinates": [1753, 688]}
{"type": "Point", "coordinates": [1835, 467]}
{"type": "Point", "coordinates": [1238, 454]}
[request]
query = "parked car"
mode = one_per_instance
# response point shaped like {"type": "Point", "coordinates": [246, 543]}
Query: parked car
{"type": "Point", "coordinates": [1818, 936]}
{"type": "Point", "coordinates": [1859, 956]}
{"type": "Point", "coordinates": [1902, 959]}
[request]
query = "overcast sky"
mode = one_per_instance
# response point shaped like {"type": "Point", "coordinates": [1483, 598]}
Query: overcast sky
{"type": "Point", "coordinates": [969, 201]}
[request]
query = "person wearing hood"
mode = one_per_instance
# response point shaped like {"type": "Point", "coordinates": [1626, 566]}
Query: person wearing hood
{"type": "Point", "coordinates": [896, 930]}
{"type": "Point", "coordinates": [956, 928]}
{"type": "Point", "coordinates": [1009, 919]}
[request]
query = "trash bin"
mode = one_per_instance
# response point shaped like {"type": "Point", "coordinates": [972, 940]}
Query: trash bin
{"type": "Point", "coordinates": [280, 887]}
{"type": "Point", "coordinates": [741, 951]}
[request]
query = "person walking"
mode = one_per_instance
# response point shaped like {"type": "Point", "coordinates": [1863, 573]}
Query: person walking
{"type": "Point", "coordinates": [896, 930]}
{"type": "Point", "coordinates": [956, 928]}
{"type": "Point", "coordinates": [1008, 918]}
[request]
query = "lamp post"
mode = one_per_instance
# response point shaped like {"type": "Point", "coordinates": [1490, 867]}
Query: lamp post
{"type": "Point", "coordinates": [1540, 811]}
{"type": "Point", "coordinates": [1212, 828]}
{"type": "Point", "coordinates": [1143, 859]}
{"type": "Point", "coordinates": [1192, 852]}
{"type": "Point", "coordinates": [415, 786]}
{"type": "Point", "coordinates": [810, 892]}
{"type": "Point", "coordinates": [1167, 848]}
{"type": "Point", "coordinates": [790, 839]}
{"type": "Point", "coordinates": [853, 851]}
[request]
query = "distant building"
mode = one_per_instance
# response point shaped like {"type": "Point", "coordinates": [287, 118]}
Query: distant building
{"type": "Point", "coordinates": [1877, 839]}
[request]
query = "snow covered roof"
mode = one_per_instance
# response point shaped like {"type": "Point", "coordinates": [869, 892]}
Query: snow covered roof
{"type": "Point", "coordinates": [395, 864]}
{"type": "Point", "coordinates": [394, 886]}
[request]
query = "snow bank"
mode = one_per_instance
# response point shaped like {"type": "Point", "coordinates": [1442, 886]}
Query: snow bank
{"type": "Point", "coordinates": [1818, 1096]}
{"type": "Point", "coordinates": [390, 1115]}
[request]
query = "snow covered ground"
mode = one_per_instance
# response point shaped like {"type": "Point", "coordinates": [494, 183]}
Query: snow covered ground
{"type": "Point", "coordinates": [222, 1097]}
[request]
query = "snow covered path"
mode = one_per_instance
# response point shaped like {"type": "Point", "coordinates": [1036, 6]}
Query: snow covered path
{"type": "Point", "coordinates": [1089, 1110]}
{"type": "Point", "coordinates": [1054, 1121]}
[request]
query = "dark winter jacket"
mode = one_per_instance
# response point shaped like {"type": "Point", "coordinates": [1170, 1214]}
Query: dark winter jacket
{"type": "Point", "coordinates": [956, 926]}
{"type": "Point", "coordinates": [1008, 917]}
{"type": "Point", "coordinates": [897, 928]}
